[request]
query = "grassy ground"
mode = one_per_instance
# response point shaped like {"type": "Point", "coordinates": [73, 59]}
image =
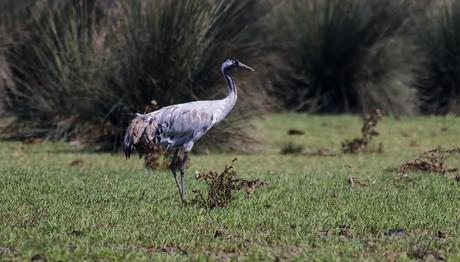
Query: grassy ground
{"type": "Point", "coordinates": [110, 208]}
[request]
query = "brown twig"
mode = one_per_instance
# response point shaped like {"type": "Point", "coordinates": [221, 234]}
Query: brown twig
{"type": "Point", "coordinates": [368, 131]}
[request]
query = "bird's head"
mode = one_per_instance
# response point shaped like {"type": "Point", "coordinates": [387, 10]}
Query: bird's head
{"type": "Point", "coordinates": [230, 64]}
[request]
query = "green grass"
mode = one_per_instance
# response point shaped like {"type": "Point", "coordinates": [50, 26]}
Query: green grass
{"type": "Point", "coordinates": [113, 209]}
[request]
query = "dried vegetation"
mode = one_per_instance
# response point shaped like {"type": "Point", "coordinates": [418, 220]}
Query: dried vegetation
{"type": "Point", "coordinates": [291, 148]}
{"type": "Point", "coordinates": [432, 161]}
{"type": "Point", "coordinates": [223, 186]}
{"type": "Point", "coordinates": [357, 181]}
{"type": "Point", "coordinates": [368, 131]}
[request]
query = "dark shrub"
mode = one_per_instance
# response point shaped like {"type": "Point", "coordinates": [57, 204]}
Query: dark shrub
{"type": "Point", "coordinates": [345, 56]}
{"type": "Point", "coordinates": [87, 66]}
{"type": "Point", "coordinates": [439, 35]}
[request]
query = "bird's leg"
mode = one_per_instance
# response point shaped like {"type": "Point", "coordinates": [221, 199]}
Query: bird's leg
{"type": "Point", "coordinates": [182, 173]}
{"type": "Point", "coordinates": [173, 170]}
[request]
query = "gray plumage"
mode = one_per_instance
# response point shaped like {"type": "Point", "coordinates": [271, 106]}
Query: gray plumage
{"type": "Point", "coordinates": [180, 126]}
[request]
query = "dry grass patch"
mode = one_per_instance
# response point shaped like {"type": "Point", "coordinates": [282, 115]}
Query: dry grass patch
{"type": "Point", "coordinates": [223, 186]}
{"type": "Point", "coordinates": [433, 161]}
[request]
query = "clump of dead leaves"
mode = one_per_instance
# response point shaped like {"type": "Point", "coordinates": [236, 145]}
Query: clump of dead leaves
{"type": "Point", "coordinates": [357, 181]}
{"type": "Point", "coordinates": [223, 186]}
{"type": "Point", "coordinates": [368, 131]}
{"type": "Point", "coordinates": [433, 161]}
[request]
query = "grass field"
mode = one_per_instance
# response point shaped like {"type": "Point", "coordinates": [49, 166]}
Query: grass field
{"type": "Point", "coordinates": [110, 208]}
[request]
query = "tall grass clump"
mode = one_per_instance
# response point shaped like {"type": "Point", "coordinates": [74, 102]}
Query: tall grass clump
{"type": "Point", "coordinates": [13, 15]}
{"type": "Point", "coordinates": [439, 35]}
{"type": "Point", "coordinates": [58, 66]}
{"type": "Point", "coordinates": [346, 56]}
{"type": "Point", "coordinates": [88, 66]}
{"type": "Point", "coordinates": [171, 51]}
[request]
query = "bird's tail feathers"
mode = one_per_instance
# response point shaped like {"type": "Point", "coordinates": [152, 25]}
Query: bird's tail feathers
{"type": "Point", "coordinates": [134, 133]}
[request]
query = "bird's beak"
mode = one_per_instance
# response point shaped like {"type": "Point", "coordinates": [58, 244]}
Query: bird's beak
{"type": "Point", "coordinates": [246, 67]}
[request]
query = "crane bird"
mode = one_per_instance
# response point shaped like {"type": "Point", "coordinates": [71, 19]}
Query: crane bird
{"type": "Point", "coordinates": [180, 126]}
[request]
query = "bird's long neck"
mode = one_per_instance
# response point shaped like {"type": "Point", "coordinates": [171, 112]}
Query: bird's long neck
{"type": "Point", "coordinates": [230, 100]}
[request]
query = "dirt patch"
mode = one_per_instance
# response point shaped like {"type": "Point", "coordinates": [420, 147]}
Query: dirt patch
{"type": "Point", "coordinates": [291, 148]}
{"type": "Point", "coordinates": [368, 131]}
{"type": "Point", "coordinates": [345, 230]}
{"type": "Point", "coordinates": [396, 233]}
{"type": "Point", "coordinates": [172, 250]}
{"type": "Point", "coordinates": [221, 187]}
{"type": "Point", "coordinates": [289, 253]}
{"type": "Point", "coordinates": [77, 162]}
{"type": "Point", "coordinates": [442, 234]}
{"type": "Point", "coordinates": [421, 252]}
{"type": "Point", "coordinates": [76, 233]}
{"type": "Point", "coordinates": [34, 218]}
{"type": "Point", "coordinates": [38, 257]}
{"type": "Point", "coordinates": [219, 233]}
{"type": "Point", "coordinates": [295, 132]}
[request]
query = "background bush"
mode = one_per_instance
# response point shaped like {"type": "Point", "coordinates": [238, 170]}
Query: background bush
{"type": "Point", "coordinates": [438, 33]}
{"type": "Point", "coordinates": [346, 56]}
{"type": "Point", "coordinates": [83, 71]}
{"type": "Point", "coordinates": [80, 69]}
{"type": "Point", "coordinates": [58, 64]}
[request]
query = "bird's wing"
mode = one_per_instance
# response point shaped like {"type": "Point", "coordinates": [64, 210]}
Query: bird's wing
{"type": "Point", "coordinates": [184, 123]}
{"type": "Point", "coordinates": [171, 126]}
